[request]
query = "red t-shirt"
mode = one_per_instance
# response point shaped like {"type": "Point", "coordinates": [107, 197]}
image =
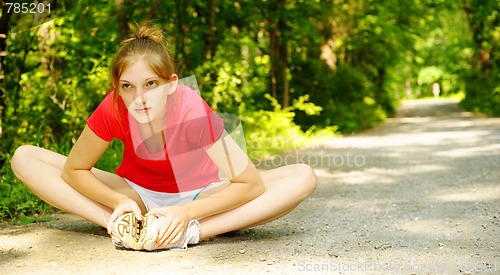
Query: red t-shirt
{"type": "Point", "coordinates": [183, 163]}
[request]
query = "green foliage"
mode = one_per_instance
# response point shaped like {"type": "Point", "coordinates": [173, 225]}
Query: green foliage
{"type": "Point", "coordinates": [112, 157]}
{"type": "Point", "coordinates": [269, 133]}
{"type": "Point", "coordinates": [429, 75]}
{"type": "Point", "coordinates": [346, 97]}
{"type": "Point", "coordinates": [483, 92]}
{"type": "Point", "coordinates": [482, 82]}
{"type": "Point", "coordinates": [226, 81]}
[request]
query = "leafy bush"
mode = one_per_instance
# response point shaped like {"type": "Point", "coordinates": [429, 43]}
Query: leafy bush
{"type": "Point", "coordinates": [347, 98]}
{"type": "Point", "coordinates": [483, 92]}
{"type": "Point", "coordinates": [269, 133]}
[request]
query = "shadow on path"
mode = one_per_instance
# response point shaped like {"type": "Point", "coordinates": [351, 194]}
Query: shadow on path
{"type": "Point", "coordinates": [419, 194]}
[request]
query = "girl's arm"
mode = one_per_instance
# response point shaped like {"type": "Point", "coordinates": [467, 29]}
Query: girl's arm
{"type": "Point", "coordinates": [82, 157]}
{"type": "Point", "coordinates": [246, 183]}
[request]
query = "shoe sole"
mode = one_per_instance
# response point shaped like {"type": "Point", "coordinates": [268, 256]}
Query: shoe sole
{"type": "Point", "coordinates": [127, 230]}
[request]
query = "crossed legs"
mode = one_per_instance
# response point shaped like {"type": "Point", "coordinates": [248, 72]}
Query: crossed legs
{"type": "Point", "coordinates": [40, 170]}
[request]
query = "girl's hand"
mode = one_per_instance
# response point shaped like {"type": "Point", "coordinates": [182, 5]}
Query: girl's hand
{"type": "Point", "coordinates": [124, 206]}
{"type": "Point", "coordinates": [173, 221]}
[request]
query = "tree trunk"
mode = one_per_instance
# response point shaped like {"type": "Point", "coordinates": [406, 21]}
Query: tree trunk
{"type": "Point", "coordinates": [278, 53]}
{"type": "Point", "coordinates": [283, 58]}
{"type": "Point", "coordinates": [4, 29]}
{"type": "Point", "coordinates": [209, 36]}
{"type": "Point", "coordinates": [180, 44]}
{"type": "Point", "coordinates": [274, 56]}
{"type": "Point", "coordinates": [283, 51]}
{"type": "Point", "coordinates": [122, 16]}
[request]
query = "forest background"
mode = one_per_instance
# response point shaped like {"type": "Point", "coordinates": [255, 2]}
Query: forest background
{"type": "Point", "coordinates": [289, 69]}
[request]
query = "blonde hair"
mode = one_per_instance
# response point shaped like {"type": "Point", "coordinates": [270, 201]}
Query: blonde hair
{"type": "Point", "coordinates": [146, 43]}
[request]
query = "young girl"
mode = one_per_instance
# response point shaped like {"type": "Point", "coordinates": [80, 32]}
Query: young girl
{"type": "Point", "coordinates": [168, 191]}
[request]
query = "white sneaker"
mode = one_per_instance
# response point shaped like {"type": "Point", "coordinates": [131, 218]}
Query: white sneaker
{"type": "Point", "coordinates": [150, 230]}
{"type": "Point", "coordinates": [129, 233]}
{"type": "Point", "coordinates": [191, 236]}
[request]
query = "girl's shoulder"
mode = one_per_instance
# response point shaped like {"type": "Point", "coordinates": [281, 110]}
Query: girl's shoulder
{"type": "Point", "coordinates": [186, 91]}
{"type": "Point", "coordinates": [109, 119]}
{"type": "Point", "coordinates": [191, 98]}
{"type": "Point", "coordinates": [113, 104]}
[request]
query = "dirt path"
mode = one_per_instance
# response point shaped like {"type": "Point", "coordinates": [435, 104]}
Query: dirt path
{"type": "Point", "coordinates": [418, 195]}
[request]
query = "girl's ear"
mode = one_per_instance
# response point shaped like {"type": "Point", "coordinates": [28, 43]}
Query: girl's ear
{"type": "Point", "coordinates": [174, 79]}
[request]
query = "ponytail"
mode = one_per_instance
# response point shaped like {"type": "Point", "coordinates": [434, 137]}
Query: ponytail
{"type": "Point", "coordinates": [145, 31]}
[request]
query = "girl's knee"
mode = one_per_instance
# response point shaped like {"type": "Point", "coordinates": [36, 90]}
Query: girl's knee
{"type": "Point", "coordinates": [308, 178]}
{"type": "Point", "coordinates": [21, 155]}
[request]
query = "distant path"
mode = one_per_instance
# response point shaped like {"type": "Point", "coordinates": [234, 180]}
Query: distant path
{"type": "Point", "coordinates": [417, 195]}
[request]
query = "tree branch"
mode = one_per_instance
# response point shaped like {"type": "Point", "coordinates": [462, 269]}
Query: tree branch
{"type": "Point", "coordinates": [153, 10]}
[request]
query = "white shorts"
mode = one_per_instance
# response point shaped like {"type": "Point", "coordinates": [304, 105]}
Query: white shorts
{"type": "Point", "coordinates": [154, 199]}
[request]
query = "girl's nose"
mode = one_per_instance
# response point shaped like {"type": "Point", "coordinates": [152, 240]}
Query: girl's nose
{"type": "Point", "coordinates": [139, 97]}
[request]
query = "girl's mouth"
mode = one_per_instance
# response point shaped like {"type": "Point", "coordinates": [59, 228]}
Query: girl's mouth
{"type": "Point", "coordinates": [142, 110]}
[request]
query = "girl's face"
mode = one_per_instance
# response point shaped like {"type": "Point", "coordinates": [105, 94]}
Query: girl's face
{"type": "Point", "coordinates": [144, 92]}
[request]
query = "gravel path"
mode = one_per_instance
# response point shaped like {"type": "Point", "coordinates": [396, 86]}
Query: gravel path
{"type": "Point", "coordinates": [417, 195]}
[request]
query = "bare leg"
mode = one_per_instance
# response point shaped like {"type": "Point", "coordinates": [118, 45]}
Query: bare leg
{"type": "Point", "coordinates": [285, 188]}
{"type": "Point", "coordinates": [40, 170]}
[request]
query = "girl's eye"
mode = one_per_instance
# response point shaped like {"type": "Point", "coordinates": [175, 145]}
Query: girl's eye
{"type": "Point", "coordinates": [151, 83]}
{"type": "Point", "coordinates": [126, 86]}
